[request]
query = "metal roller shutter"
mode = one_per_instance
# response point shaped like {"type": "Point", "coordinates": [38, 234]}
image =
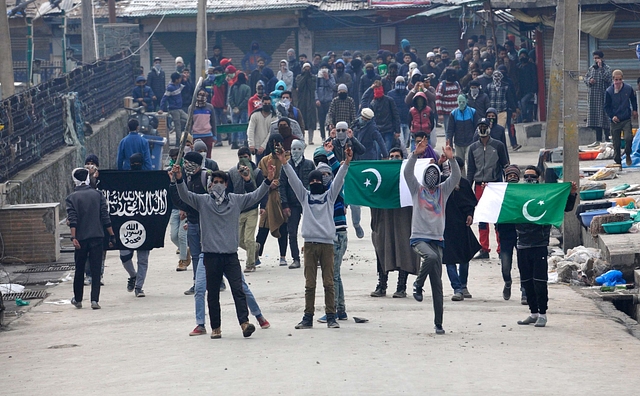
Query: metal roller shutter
{"type": "Point", "coordinates": [364, 40]}
{"type": "Point", "coordinates": [443, 32]}
{"type": "Point", "coordinates": [274, 42]}
{"type": "Point", "coordinates": [617, 52]}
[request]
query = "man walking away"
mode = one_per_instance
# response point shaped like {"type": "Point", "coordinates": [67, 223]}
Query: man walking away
{"type": "Point", "coordinates": [88, 214]}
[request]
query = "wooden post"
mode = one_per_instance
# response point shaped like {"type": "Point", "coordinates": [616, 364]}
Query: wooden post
{"type": "Point", "coordinates": [6, 60]}
{"type": "Point", "coordinates": [542, 91]}
{"type": "Point", "coordinates": [88, 41]}
{"type": "Point", "coordinates": [555, 80]}
{"type": "Point", "coordinates": [201, 39]}
{"type": "Point", "coordinates": [571, 164]}
{"type": "Point", "coordinates": [112, 11]}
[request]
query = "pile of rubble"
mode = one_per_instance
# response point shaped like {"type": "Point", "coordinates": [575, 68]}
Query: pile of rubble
{"type": "Point", "coordinates": [580, 266]}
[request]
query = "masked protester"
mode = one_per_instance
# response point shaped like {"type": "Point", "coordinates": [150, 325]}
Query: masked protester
{"type": "Point", "coordinates": [461, 243]}
{"type": "Point", "coordinates": [429, 197]}
{"type": "Point", "coordinates": [461, 127]}
{"type": "Point", "coordinates": [496, 131]}
{"type": "Point", "coordinates": [291, 207]}
{"type": "Point", "coordinates": [342, 108]}
{"type": "Point", "coordinates": [368, 78]}
{"type": "Point", "coordinates": [344, 137]}
{"type": "Point", "coordinates": [306, 85]}
{"type": "Point", "coordinates": [532, 248]}
{"type": "Point", "coordinates": [220, 241]}
{"type": "Point", "coordinates": [487, 159]}
{"type": "Point", "coordinates": [447, 94]}
{"type": "Point", "coordinates": [204, 121]}
{"type": "Point", "coordinates": [341, 77]}
{"type": "Point", "coordinates": [318, 231]}
{"type": "Point", "coordinates": [284, 129]}
{"type": "Point", "coordinates": [477, 99]}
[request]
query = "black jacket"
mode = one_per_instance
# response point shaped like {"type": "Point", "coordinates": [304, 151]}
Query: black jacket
{"type": "Point", "coordinates": [485, 164]}
{"type": "Point", "coordinates": [535, 235]}
{"type": "Point", "coordinates": [386, 114]}
{"type": "Point", "coordinates": [287, 196]}
{"type": "Point", "coordinates": [87, 212]}
{"type": "Point", "coordinates": [338, 148]}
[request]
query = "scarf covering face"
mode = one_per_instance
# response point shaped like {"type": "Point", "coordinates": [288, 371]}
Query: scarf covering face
{"type": "Point", "coordinates": [378, 92]}
{"type": "Point", "coordinates": [78, 182]}
{"type": "Point", "coordinates": [217, 192]}
{"type": "Point", "coordinates": [497, 79]}
{"type": "Point", "coordinates": [431, 178]}
{"type": "Point", "coordinates": [190, 167]}
{"type": "Point", "coordinates": [327, 174]}
{"type": "Point", "coordinates": [297, 151]}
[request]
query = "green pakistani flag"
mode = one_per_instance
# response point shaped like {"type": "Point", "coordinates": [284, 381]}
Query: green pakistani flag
{"type": "Point", "coordinates": [375, 184]}
{"type": "Point", "coordinates": [523, 203]}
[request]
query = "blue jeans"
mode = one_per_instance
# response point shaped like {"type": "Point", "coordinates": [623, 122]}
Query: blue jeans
{"type": "Point", "coordinates": [458, 278]}
{"type": "Point", "coordinates": [240, 118]}
{"type": "Point", "coordinates": [178, 233]}
{"type": "Point", "coordinates": [339, 248]}
{"type": "Point", "coordinates": [356, 214]}
{"type": "Point", "coordinates": [389, 140]}
{"type": "Point", "coordinates": [406, 134]}
{"type": "Point", "coordinates": [193, 237]}
{"type": "Point", "coordinates": [527, 107]}
{"type": "Point", "coordinates": [201, 288]}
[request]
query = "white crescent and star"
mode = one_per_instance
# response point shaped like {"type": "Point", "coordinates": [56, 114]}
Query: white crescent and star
{"type": "Point", "coordinates": [525, 211]}
{"type": "Point", "coordinates": [367, 182]}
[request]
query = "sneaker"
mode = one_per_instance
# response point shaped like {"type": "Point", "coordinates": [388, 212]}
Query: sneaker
{"type": "Point", "coordinates": [417, 292]}
{"type": "Point", "coordinates": [101, 281]}
{"type": "Point", "coordinates": [379, 292]}
{"type": "Point", "coordinates": [223, 287]}
{"type": "Point", "coordinates": [131, 284]}
{"type": "Point", "coordinates": [182, 265]}
{"type": "Point", "coordinates": [323, 319]}
{"type": "Point", "coordinates": [541, 322]}
{"type": "Point", "coordinates": [218, 144]}
{"type": "Point", "coordinates": [95, 305]}
{"type": "Point", "coordinates": [199, 330]}
{"type": "Point", "coordinates": [87, 280]}
{"type": "Point", "coordinates": [594, 144]}
{"type": "Point", "coordinates": [506, 291]}
{"type": "Point", "coordinates": [306, 322]}
{"type": "Point", "coordinates": [311, 143]}
{"type": "Point", "coordinates": [247, 329]}
{"type": "Point", "coordinates": [359, 231]}
{"type": "Point", "coordinates": [482, 255]}
{"type": "Point", "coordinates": [529, 320]}
{"type": "Point", "coordinates": [234, 146]}
{"type": "Point", "coordinates": [264, 323]}
{"type": "Point", "coordinates": [342, 315]}
{"type": "Point", "coordinates": [628, 160]}
{"type": "Point", "coordinates": [177, 251]}
{"type": "Point", "coordinates": [400, 294]}
{"type": "Point", "coordinates": [250, 268]}
{"type": "Point", "coordinates": [295, 264]}
{"type": "Point", "coordinates": [216, 333]}
{"type": "Point", "coordinates": [190, 292]}
{"type": "Point", "coordinates": [331, 322]}
{"type": "Point", "coordinates": [465, 293]}
{"type": "Point", "coordinates": [77, 304]}
{"type": "Point", "coordinates": [517, 147]}
{"type": "Point", "coordinates": [523, 300]}
{"type": "Point", "coordinates": [457, 297]}
{"type": "Point", "coordinates": [258, 262]}
{"type": "Point", "coordinates": [283, 262]}
{"type": "Point", "coordinates": [140, 293]}
{"type": "Point", "coordinates": [439, 329]}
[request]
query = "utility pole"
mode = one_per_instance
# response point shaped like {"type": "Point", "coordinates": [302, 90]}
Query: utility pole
{"type": "Point", "coordinates": [88, 41]}
{"type": "Point", "coordinates": [112, 11]}
{"type": "Point", "coordinates": [6, 60]}
{"type": "Point", "coordinates": [555, 80]}
{"type": "Point", "coordinates": [201, 39]}
{"type": "Point", "coordinates": [571, 165]}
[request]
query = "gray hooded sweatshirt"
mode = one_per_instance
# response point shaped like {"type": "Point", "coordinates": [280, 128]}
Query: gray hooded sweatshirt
{"type": "Point", "coordinates": [428, 218]}
{"type": "Point", "coordinates": [317, 222]}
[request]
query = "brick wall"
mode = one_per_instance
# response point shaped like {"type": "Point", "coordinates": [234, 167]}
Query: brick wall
{"type": "Point", "coordinates": [30, 232]}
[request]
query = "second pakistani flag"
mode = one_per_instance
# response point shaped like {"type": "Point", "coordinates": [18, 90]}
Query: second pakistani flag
{"type": "Point", "coordinates": [523, 203]}
{"type": "Point", "coordinates": [379, 184]}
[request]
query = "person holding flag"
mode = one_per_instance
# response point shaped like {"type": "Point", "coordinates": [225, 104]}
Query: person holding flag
{"type": "Point", "coordinates": [429, 197]}
{"type": "Point", "coordinates": [532, 252]}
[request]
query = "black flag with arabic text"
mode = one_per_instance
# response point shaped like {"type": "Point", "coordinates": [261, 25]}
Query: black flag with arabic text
{"type": "Point", "coordinates": [139, 206]}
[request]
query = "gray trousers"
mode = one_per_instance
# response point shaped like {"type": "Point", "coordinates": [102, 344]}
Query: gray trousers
{"type": "Point", "coordinates": [431, 257]}
{"type": "Point", "coordinates": [126, 256]}
{"type": "Point", "coordinates": [179, 122]}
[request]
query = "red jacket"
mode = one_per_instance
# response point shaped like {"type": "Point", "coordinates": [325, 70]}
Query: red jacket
{"type": "Point", "coordinates": [219, 99]}
{"type": "Point", "coordinates": [420, 119]}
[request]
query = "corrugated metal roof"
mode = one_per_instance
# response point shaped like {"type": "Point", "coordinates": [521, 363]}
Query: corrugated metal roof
{"type": "Point", "coordinates": [357, 5]}
{"type": "Point", "coordinates": [140, 8]}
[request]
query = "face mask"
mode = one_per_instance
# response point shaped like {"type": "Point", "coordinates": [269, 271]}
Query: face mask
{"type": "Point", "coordinates": [343, 95]}
{"type": "Point", "coordinates": [491, 121]}
{"type": "Point", "coordinates": [231, 76]}
{"type": "Point", "coordinates": [401, 86]}
{"type": "Point", "coordinates": [431, 177]}
{"type": "Point", "coordinates": [326, 179]}
{"type": "Point", "coordinates": [462, 104]}
{"type": "Point", "coordinates": [187, 149]}
{"type": "Point", "coordinates": [284, 130]}
{"type": "Point", "coordinates": [371, 73]}
{"type": "Point", "coordinates": [296, 154]}
{"type": "Point", "coordinates": [316, 188]}
{"type": "Point", "coordinates": [340, 70]}
{"type": "Point", "coordinates": [361, 121]}
{"type": "Point", "coordinates": [474, 92]}
{"type": "Point", "coordinates": [190, 167]}
{"type": "Point", "coordinates": [285, 103]}
{"type": "Point", "coordinates": [266, 108]}
{"type": "Point", "coordinates": [341, 136]}
{"type": "Point", "coordinates": [157, 67]}
{"type": "Point", "coordinates": [451, 77]}
{"type": "Point", "coordinates": [245, 162]}
{"type": "Point", "coordinates": [378, 92]}
{"type": "Point", "coordinates": [217, 192]}
{"type": "Point", "coordinates": [483, 132]}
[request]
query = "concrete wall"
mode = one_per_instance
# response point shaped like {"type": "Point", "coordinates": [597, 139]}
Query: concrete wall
{"type": "Point", "coordinates": [49, 180]}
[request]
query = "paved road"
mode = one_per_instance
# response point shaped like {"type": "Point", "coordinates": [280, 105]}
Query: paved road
{"type": "Point", "coordinates": [141, 345]}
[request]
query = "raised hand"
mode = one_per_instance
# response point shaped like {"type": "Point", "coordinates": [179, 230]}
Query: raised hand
{"type": "Point", "coordinates": [176, 171]}
{"type": "Point", "coordinates": [448, 151]}
{"type": "Point", "coordinates": [348, 154]}
{"type": "Point", "coordinates": [328, 146]}
{"type": "Point", "coordinates": [420, 148]}
{"type": "Point", "coordinates": [272, 169]}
